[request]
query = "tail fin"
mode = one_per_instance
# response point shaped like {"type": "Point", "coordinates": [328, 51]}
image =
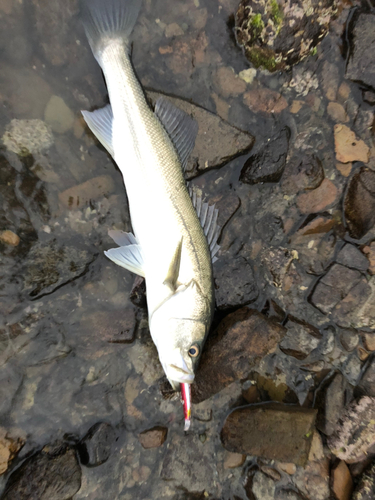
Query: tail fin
{"type": "Point", "coordinates": [108, 19]}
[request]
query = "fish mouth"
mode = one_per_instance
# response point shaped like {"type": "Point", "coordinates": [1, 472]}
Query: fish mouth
{"type": "Point", "coordinates": [177, 376]}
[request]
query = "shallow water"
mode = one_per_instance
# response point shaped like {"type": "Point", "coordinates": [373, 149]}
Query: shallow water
{"type": "Point", "coordinates": [62, 372]}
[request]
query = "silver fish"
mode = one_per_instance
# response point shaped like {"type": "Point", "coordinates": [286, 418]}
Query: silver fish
{"type": "Point", "coordinates": [169, 247]}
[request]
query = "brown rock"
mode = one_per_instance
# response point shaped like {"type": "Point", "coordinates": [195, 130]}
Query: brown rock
{"type": "Point", "coordinates": [368, 340]}
{"type": "Point", "coordinates": [265, 101]}
{"type": "Point", "coordinates": [302, 174]}
{"type": "Point", "coordinates": [369, 251]}
{"type": "Point", "coordinates": [287, 467]}
{"type": "Point", "coordinates": [319, 199]}
{"type": "Point", "coordinates": [296, 106]}
{"type": "Point", "coordinates": [81, 195]}
{"type": "Point", "coordinates": [227, 83]}
{"type": "Point", "coordinates": [8, 449]}
{"type": "Point", "coordinates": [362, 353]}
{"type": "Point", "coordinates": [344, 91]}
{"type": "Point", "coordinates": [153, 438]}
{"type": "Point", "coordinates": [344, 168]}
{"type": "Point", "coordinates": [342, 482]}
{"type": "Point", "coordinates": [283, 432]}
{"type": "Point", "coordinates": [337, 112]}
{"type": "Point", "coordinates": [233, 460]}
{"type": "Point", "coordinates": [347, 147]}
{"type": "Point", "coordinates": [330, 80]}
{"type": "Point", "coordinates": [317, 225]}
{"type": "Point", "coordinates": [359, 203]}
{"type": "Point", "coordinates": [242, 339]}
{"type": "Point", "coordinates": [9, 238]}
{"type": "Point", "coordinates": [216, 143]}
{"type": "Point", "coordinates": [354, 435]}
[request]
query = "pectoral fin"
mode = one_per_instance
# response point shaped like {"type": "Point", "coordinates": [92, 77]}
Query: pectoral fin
{"type": "Point", "coordinates": [174, 268]}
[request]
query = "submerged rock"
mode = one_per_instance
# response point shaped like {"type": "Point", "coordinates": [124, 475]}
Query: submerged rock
{"type": "Point", "coordinates": [95, 447]}
{"type": "Point", "coordinates": [270, 430]}
{"type": "Point", "coordinates": [267, 165]}
{"type": "Point", "coordinates": [347, 147]}
{"type": "Point", "coordinates": [217, 142]}
{"type": "Point", "coordinates": [153, 438]}
{"type": "Point", "coordinates": [354, 434]}
{"type": "Point", "coordinates": [27, 137]}
{"type": "Point", "coordinates": [117, 327]}
{"type": "Point", "coordinates": [361, 62]}
{"type": "Point", "coordinates": [276, 36]}
{"type": "Point", "coordinates": [359, 203]}
{"type": "Point", "coordinates": [50, 265]}
{"type": "Point", "coordinates": [302, 173]}
{"type": "Point", "coordinates": [242, 339]}
{"type": "Point", "coordinates": [52, 474]}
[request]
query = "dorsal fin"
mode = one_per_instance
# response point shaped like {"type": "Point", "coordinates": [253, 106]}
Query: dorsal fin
{"type": "Point", "coordinates": [181, 128]}
{"type": "Point", "coordinates": [207, 214]}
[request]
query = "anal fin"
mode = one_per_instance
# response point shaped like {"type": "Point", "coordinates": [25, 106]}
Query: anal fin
{"type": "Point", "coordinates": [100, 122]}
{"type": "Point", "coordinates": [128, 255]}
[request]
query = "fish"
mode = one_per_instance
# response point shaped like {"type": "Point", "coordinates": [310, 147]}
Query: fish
{"type": "Point", "coordinates": [174, 238]}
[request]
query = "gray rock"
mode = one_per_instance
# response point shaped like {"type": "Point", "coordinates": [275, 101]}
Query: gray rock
{"type": "Point", "coordinates": [51, 265]}
{"type": "Point", "coordinates": [283, 432]}
{"type": "Point", "coordinates": [242, 339]}
{"type": "Point", "coordinates": [302, 173]}
{"type": "Point", "coordinates": [350, 256]}
{"type": "Point", "coordinates": [300, 339]}
{"type": "Point", "coordinates": [263, 487]}
{"type": "Point", "coordinates": [52, 474]}
{"type": "Point", "coordinates": [361, 63]}
{"type": "Point", "coordinates": [267, 165]}
{"type": "Point", "coordinates": [95, 448]}
{"type": "Point", "coordinates": [330, 403]}
{"type": "Point", "coordinates": [354, 434]}
{"type": "Point", "coordinates": [349, 338]}
{"type": "Point", "coordinates": [218, 143]}
{"type": "Point", "coordinates": [235, 284]}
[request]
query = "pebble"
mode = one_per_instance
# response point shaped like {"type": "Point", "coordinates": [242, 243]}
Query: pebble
{"type": "Point", "coordinates": [82, 195]}
{"type": "Point", "coordinates": [354, 434]}
{"type": "Point", "coordinates": [347, 147]}
{"type": "Point", "coordinates": [344, 92]}
{"type": "Point", "coordinates": [233, 460]}
{"type": "Point", "coordinates": [58, 116]}
{"type": "Point", "coordinates": [318, 199]}
{"type": "Point", "coordinates": [337, 112]}
{"type": "Point", "coordinates": [198, 18]}
{"type": "Point", "coordinates": [95, 448]}
{"type": "Point", "coordinates": [342, 482]}
{"type": "Point", "coordinates": [9, 448]}
{"type": "Point", "coordinates": [265, 101]}
{"type": "Point", "coordinates": [349, 339]}
{"type": "Point", "coordinates": [298, 342]}
{"type": "Point", "coordinates": [369, 251]}
{"type": "Point", "coordinates": [330, 80]}
{"type": "Point", "coordinates": [302, 173]}
{"type": "Point", "coordinates": [243, 339]}
{"type": "Point", "coordinates": [368, 340]}
{"type": "Point", "coordinates": [296, 106]}
{"type": "Point", "coordinates": [317, 226]}
{"type": "Point", "coordinates": [153, 438]}
{"type": "Point", "coordinates": [351, 256]}
{"type": "Point", "coordinates": [227, 83]}
{"type": "Point", "coordinates": [173, 30]}
{"type": "Point", "coordinates": [248, 75]}
{"type": "Point", "coordinates": [26, 137]}
{"type": "Point", "coordinates": [287, 467]}
{"type": "Point", "coordinates": [344, 168]}
{"type": "Point", "coordinates": [263, 487]}
{"type": "Point", "coordinates": [284, 432]}
{"type": "Point", "coordinates": [9, 238]}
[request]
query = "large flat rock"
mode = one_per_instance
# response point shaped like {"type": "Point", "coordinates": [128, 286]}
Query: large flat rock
{"type": "Point", "coordinates": [361, 63]}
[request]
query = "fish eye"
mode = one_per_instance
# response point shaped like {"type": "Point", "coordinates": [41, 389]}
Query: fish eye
{"type": "Point", "coordinates": [193, 351]}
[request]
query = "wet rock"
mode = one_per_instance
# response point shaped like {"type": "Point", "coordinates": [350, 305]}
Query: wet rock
{"type": "Point", "coordinates": [153, 438]}
{"type": "Point", "coordinates": [354, 434]}
{"type": "Point", "coordinates": [330, 403]}
{"type": "Point", "coordinates": [52, 474]}
{"type": "Point", "coordinates": [95, 448]}
{"type": "Point", "coordinates": [233, 460]}
{"type": "Point", "coordinates": [227, 83]}
{"type": "Point", "coordinates": [318, 199]}
{"type": "Point", "coordinates": [337, 112]}
{"type": "Point", "coordinates": [218, 144]}
{"type": "Point", "coordinates": [350, 256]}
{"type": "Point", "coordinates": [283, 432]}
{"type": "Point", "coordinates": [235, 284]}
{"type": "Point", "coordinates": [342, 482]}
{"type": "Point", "coordinates": [276, 37]}
{"type": "Point", "coordinates": [369, 251]}
{"type": "Point", "coordinates": [50, 265]}
{"type": "Point", "coordinates": [365, 490]}
{"type": "Point", "coordinates": [186, 462]}
{"type": "Point", "coordinates": [117, 327]}
{"type": "Point", "coordinates": [267, 165]}
{"type": "Point", "coordinates": [138, 292]}
{"type": "Point", "coordinates": [367, 383]}
{"type": "Point", "coordinates": [300, 340]}
{"type": "Point", "coordinates": [9, 238]}
{"type": "Point", "coordinates": [58, 116]}
{"type": "Point", "coordinates": [27, 137]}
{"type": "Point", "coordinates": [10, 378]}
{"type": "Point", "coordinates": [81, 195]}
{"type": "Point", "coordinates": [361, 63]}
{"type": "Point", "coordinates": [368, 340]}
{"type": "Point", "coordinates": [242, 339]}
{"type": "Point", "coordinates": [302, 174]}
{"type": "Point", "coordinates": [334, 286]}
{"type": "Point", "coordinates": [347, 147]}
{"type": "Point", "coordinates": [227, 205]}
{"type": "Point", "coordinates": [9, 447]}
{"type": "Point", "coordinates": [263, 487]}
{"type": "Point", "coordinates": [349, 339]}
{"type": "Point", "coordinates": [264, 100]}
{"type": "Point", "coordinates": [359, 203]}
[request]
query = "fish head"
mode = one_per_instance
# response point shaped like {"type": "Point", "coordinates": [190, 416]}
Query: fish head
{"type": "Point", "coordinates": [179, 328]}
